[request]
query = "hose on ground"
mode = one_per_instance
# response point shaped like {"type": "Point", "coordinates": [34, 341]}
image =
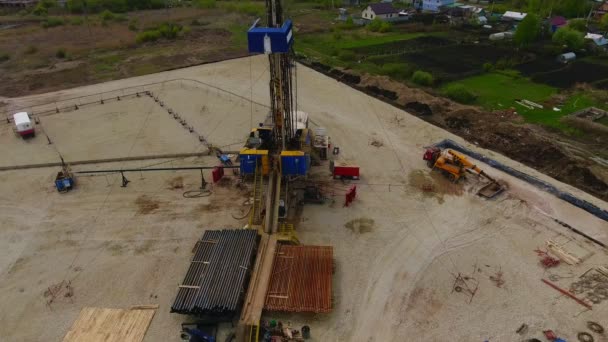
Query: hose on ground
{"type": "Point", "coordinates": [197, 193]}
{"type": "Point", "coordinates": [246, 214]}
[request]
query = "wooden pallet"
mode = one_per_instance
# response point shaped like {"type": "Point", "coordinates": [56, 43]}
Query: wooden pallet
{"type": "Point", "coordinates": [111, 325]}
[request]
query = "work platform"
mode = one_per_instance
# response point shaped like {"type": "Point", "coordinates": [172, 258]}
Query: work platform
{"type": "Point", "coordinates": [248, 327]}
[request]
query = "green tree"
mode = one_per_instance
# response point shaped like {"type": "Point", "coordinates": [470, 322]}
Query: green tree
{"type": "Point", "coordinates": [385, 27]}
{"type": "Point", "coordinates": [604, 22]}
{"type": "Point", "coordinates": [528, 30]}
{"type": "Point", "coordinates": [572, 8]}
{"type": "Point", "coordinates": [573, 39]}
{"type": "Point", "coordinates": [534, 6]}
{"type": "Point", "coordinates": [578, 24]}
{"type": "Point", "coordinates": [374, 25]}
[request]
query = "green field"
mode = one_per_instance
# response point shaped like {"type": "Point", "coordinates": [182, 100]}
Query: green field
{"type": "Point", "coordinates": [327, 46]}
{"type": "Point", "coordinates": [501, 90]}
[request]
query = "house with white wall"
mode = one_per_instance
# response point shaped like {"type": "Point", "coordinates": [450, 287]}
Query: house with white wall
{"type": "Point", "coordinates": [382, 11]}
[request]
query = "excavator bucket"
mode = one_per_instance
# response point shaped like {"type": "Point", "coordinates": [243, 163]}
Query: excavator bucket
{"type": "Point", "coordinates": [490, 190]}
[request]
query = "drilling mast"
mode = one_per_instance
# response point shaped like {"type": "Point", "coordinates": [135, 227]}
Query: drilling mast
{"type": "Point", "coordinates": [276, 41]}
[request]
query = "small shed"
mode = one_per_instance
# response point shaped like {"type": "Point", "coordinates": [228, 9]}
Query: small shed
{"type": "Point", "coordinates": [497, 36]}
{"type": "Point", "coordinates": [566, 57]}
{"type": "Point", "coordinates": [557, 22]}
{"type": "Point", "coordinates": [342, 14]}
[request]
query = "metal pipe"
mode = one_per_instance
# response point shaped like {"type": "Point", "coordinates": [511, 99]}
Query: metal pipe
{"type": "Point", "coordinates": [159, 169]}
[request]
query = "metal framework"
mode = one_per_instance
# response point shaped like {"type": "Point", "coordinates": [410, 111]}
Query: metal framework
{"type": "Point", "coordinates": [282, 102]}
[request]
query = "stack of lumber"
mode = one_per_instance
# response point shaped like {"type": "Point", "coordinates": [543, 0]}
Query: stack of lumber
{"type": "Point", "coordinates": [561, 253]}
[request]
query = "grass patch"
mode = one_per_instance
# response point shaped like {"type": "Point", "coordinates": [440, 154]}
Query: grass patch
{"type": "Point", "coordinates": [165, 30]}
{"type": "Point", "coordinates": [52, 22]}
{"type": "Point", "coordinates": [327, 48]}
{"type": "Point", "coordinates": [107, 16]}
{"type": "Point", "coordinates": [4, 57]}
{"type": "Point", "coordinates": [238, 34]}
{"type": "Point", "coordinates": [501, 90]}
{"type": "Point", "coordinates": [76, 21]}
{"type": "Point", "coordinates": [459, 93]}
{"type": "Point", "coordinates": [107, 64]}
{"type": "Point", "coordinates": [251, 8]}
{"type": "Point", "coordinates": [551, 118]}
{"type": "Point", "coordinates": [422, 78]}
{"type": "Point", "coordinates": [145, 69]}
{"type": "Point", "coordinates": [205, 4]}
{"type": "Point", "coordinates": [61, 53]}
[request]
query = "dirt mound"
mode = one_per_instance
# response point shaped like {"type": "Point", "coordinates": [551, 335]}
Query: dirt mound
{"type": "Point", "coordinates": [344, 76]}
{"type": "Point", "coordinates": [405, 95]}
{"type": "Point", "coordinates": [535, 149]}
{"type": "Point", "coordinates": [391, 95]}
{"type": "Point", "coordinates": [419, 108]}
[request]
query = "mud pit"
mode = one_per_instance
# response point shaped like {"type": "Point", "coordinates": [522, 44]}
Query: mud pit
{"type": "Point", "coordinates": [395, 269]}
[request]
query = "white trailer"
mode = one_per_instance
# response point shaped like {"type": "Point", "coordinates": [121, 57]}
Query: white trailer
{"type": "Point", "coordinates": [23, 124]}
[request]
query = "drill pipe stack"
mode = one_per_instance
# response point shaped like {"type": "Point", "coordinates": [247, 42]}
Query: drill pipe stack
{"type": "Point", "coordinates": [218, 274]}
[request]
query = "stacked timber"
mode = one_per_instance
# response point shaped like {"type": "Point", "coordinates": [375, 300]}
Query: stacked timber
{"type": "Point", "coordinates": [218, 274]}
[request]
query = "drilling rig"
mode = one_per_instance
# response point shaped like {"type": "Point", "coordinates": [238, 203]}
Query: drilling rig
{"type": "Point", "coordinates": [275, 156]}
{"type": "Point", "coordinates": [276, 148]}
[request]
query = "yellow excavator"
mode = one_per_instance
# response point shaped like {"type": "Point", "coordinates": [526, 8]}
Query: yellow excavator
{"type": "Point", "coordinates": [454, 166]}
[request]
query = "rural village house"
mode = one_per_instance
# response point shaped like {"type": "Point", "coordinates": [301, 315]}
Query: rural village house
{"type": "Point", "coordinates": [382, 11]}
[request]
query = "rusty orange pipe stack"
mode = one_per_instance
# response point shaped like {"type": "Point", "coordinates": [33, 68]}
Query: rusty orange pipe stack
{"type": "Point", "coordinates": [301, 279]}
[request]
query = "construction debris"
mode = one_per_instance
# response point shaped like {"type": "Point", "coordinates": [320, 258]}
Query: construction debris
{"type": "Point", "coordinates": [603, 270]}
{"type": "Point", "coordinates": [497, 279]}
{"type": "Point", "coordinates": [585, 337]}
{"type": "Point", "coordinates": [301, 279]}
{"type": "Point", "coordinates": [595, 327]}
{"type": "Point", "coordinates": [218, 274]}
{"type": "Point", "coordinates": [567, 293]}
{"type": "Point", "coordinates": [522, 329]}
{"type": "Point", "coordinates": [466, 284]}
{"type": "Point", "coordinates": [593, 284]}
{"type": "Point", "coordinates": [561, 253]}
{"type": "Point", "coordinates": [63, 289]}
{"type": "Point", "coordinates": [546, 260]}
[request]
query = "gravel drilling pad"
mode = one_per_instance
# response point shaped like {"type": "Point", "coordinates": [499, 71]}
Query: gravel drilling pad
{"type": "Point", "coordinates": [301, 279]}
{"type": "Point", "coordinates": [218, 275]}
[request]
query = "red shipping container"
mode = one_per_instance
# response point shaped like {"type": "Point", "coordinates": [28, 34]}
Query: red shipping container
{"type": "Point", "coordinates": [346, 171]}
